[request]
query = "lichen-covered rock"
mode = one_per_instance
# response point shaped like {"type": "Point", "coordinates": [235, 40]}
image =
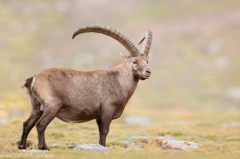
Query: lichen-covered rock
{"type": "Point", "coordinates": [91, 147]}
{"type": "Point", "coordinates": [178, 145]}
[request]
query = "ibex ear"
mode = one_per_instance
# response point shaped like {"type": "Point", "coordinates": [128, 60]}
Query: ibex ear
{"type": "Point", "coordinates": [123, 56]}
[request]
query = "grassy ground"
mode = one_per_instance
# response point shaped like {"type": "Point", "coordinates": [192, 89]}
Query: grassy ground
{"type": "Point", "coordinates": [202, 126]}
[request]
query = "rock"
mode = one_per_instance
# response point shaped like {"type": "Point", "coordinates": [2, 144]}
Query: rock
{"type": "Point", "coordinates": [165, 138]}
{"type": "Point", "coordinates": [211, 48]}
{"type": "Point", "coordinates": [140, 120]}
{"type": "Point", "coordinates": [138, 137]}
{"type": "Point", "coordinates": [178, 145]}
{"type": "Point", "coordinates": [71, 146]}
{"type": "Point", "coordinates": [230, 124]}
{"type": "Point", "coordinates": [221, 62]}
{"type": "Point", "coordinates": [92, 147]}
{"type": "Point", "coordinates": [3, 121]}
{"type": "Point", "coordinates": [15, 112]}
{"type": "Point", "coordinates": [128, 143]}
{"type": "Point", "coordinates": [56, 145]}
{"type": "Point", "coordinates": [233, 94]}
{"type": "Point", "coordinates": [34, 151]}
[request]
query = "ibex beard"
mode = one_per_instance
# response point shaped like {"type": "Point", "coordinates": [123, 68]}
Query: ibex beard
{"type": "Point", "coordinates": [79, 96]}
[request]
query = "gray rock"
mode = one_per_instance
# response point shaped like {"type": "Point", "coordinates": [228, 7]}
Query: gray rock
{"type": "Point", "coordinates": [165, 138]}
{"type": "Point", "coordinates": [211, 48]}
{"type": "Point", "coordinates": [3, 121]}
{"type": "Point", "coordinates": [128, 143]}
{"type": "Point", "coordinates": [56, 145]}
{"type": "Point", "coordinates": [92, 147]}
{"type": "Point", "coordinates": [15, 112]}
{"type": "Point", "coordinates": [230, 124]}
{"type": "Point", "coordinates": [34, 151]}
{"type": "Point", "coordinates": [221, 62]}
{"type": "Point", "coordinates": [178, 145]}
{"type": "Point", "coordinates": [233, 94]}
{"type": "Point", "coordinates": [138, 137]}
{"type": "Point", "coordinates": [140, 120]}
{"type": "Point", "coordinates": [71, 146]}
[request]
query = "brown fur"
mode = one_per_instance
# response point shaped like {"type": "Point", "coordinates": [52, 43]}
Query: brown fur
{"type": "Point", "coordinates": [79, 96]}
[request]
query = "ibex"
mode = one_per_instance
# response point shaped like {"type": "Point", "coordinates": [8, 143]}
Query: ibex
{"type": "Point", "coordinates": [79, 96]}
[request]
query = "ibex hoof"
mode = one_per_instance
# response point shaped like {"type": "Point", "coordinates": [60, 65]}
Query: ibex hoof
{"type": "Point", "coordinates": [21, 147]}
{"type": "Point", "coordinates": [42, 147]}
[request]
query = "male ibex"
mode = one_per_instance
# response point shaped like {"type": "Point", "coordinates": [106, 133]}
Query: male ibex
{"type": "Point", "coordinates": [78, 96]}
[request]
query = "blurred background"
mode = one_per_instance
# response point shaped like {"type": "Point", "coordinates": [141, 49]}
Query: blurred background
{"type": "Point", "coordinates": [195, 49]}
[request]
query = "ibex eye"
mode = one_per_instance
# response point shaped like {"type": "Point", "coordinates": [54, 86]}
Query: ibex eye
{"type": "Point", "coordinates": [135, 62]}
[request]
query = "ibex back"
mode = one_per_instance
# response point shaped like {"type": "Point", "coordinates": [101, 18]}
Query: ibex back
{"type": "Point", "coordinates": [79, 96]}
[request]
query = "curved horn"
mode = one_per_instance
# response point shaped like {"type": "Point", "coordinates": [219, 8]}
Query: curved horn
{"type": "Point", "coordinates": [147, 42]}
{"type": "Point", "coordinates": [112, 33]}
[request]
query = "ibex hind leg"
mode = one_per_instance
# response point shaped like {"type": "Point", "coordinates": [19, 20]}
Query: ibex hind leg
{"type": "Point", "coordinates": [51, 109]}
{"type": "Point", "coordinates": [36, 113]}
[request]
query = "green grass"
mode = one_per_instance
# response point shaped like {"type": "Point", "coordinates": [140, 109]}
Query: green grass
{"type": "Point", "coordinates": [202, 126]}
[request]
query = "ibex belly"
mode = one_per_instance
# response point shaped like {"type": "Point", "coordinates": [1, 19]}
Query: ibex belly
{"type": "Point", "coordinates": [77, 115]}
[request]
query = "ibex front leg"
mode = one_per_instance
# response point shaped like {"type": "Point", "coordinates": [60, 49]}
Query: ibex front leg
{"type": "Point", "coordinates": [103, 125]}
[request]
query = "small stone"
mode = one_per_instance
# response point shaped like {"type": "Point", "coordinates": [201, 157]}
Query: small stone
{"type": "Point", "coordinates": [93, 147]}
{"type": "Point", "coordinates": [178, 145]}
{"type": "Point", "coordinates": [128, 143]}
{"type": "Point", "coordinates": [140, 120]}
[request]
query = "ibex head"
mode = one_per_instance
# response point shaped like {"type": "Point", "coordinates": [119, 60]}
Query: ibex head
{"type": "Point", "coordinates": [138, 61]}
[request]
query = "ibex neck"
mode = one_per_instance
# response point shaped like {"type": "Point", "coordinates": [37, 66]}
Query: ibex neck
{"type": "Point", "coordinates": [126, 78]}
